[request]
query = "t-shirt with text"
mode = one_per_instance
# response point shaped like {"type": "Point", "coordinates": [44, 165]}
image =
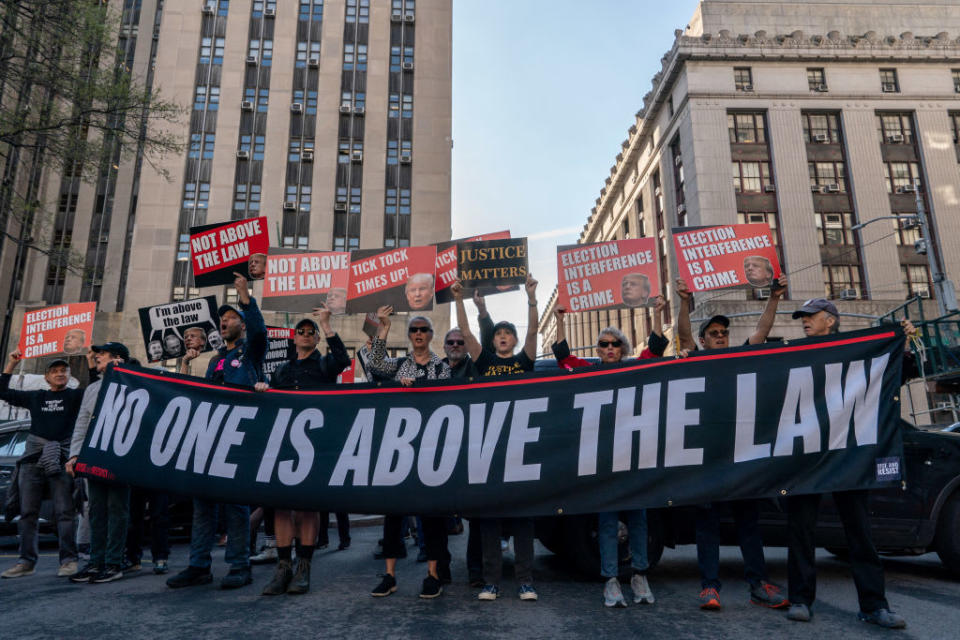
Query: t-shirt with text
{"type": "Point", "coordinates": [490, 364]}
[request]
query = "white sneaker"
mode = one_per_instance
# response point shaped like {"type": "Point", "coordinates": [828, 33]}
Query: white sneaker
{"type": "Point", "coordinates": [266, 556]}
{"type": "Point", "coordinates": [612, 594]}
{"type": "Point", "coordinates": [19, 570]}
{"type": "Point", "coordinates": [641, 589]}
{"type": "Point", "coordinates": [67, 569]}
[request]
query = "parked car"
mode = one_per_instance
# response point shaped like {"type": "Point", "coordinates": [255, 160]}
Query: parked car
{"type": "Point", "coordinates": [920, 516]}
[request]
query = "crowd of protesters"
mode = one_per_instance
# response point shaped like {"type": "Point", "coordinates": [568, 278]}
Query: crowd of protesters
{"type": "Point", "coordinates": [115, 513]}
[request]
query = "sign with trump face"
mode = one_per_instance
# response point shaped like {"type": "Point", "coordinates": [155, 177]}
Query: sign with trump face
{"type": "Point", "coordinates": [403, 278]}
{"type": "Point", "coordinates": [731, 256]}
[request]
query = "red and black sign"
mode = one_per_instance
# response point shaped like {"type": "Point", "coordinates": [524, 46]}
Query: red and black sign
{"type": "Point", "coordinates": [736, 255]}
{"type": "Point", "coordinates": [218, 250]}
{"type": "Point", "coordinates": [607, 275]}
{"type": "Point", "coordinates": [280, 349]}
{"type": "Point", "coordinates": [299, 282]}
{"type": "Point", "coordinates": [403, 278]}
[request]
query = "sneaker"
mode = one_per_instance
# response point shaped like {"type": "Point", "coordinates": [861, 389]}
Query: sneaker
{"type": "Point", "coordinates": [67, 569]}
{"type": "Point", "coordinates": [344, 545]}
{"type": "Point", "coordinates": [111, 573]}
{"type": "Point", "coordinates": [301, 578]}
{"type": "Point", "coordinates": [884, 618]}
{"type": "Point", "coordinates": [710, 599]}
{"type": "Point", "coordinates": [767, 594]}
{"type": "Point", "coordinates": [422, 556]}
{"type": "Point", "coordinates": [267, 555]}
{"type": "Point", "coordinates": [799, 613]}
{"type": "Point", "coordinates": [281, 579]}
{"type": "Point", "coordinates": [84, 575]}
{"type": "Point", "coordinates": [160, 567]}
{"type": "Point", "coordinates": [19, 570]}
{"type": "Point", "coordinates": [527, 592]}
{"type": "Point", "coordinates": [489, 592]}
{"type": "Point", "coordinates": [387, 586]}
{"type": "Point", "coordinates": [612, 594]}
{"type": "Point", "coordinates": [641, 589]}
{"type": "Point", "coordinates": [431, 588]}
{"type": "Point", "coordinates": [190, 577]}
{"type": "Point", "coordinates": [238, 577]}
{"type": "Point", "coordinates": [131, 567]}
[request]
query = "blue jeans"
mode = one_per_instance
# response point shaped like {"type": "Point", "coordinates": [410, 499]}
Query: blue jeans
{"type": "Point", "coordinates": [607, 525]}
{"type": "Point", "coordinates": [109, 516]}
{"type": "Point", "coordinates": [204, 530]}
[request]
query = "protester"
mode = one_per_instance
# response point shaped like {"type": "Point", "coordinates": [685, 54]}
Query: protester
{"type": "Point", "coordinates": [613, 346]}
{"type": "Point", "coordinates": [420, 363]}
{"type": "Point", "coordinates": [239, 361]}
{"type": "Point", "coordinates": [503, 361]}
{"type": "Point", "coordinates": [109, 510]}
{"type": "Point", "coordinates": [820, 318]}
{"type": "Point", "coordinates": [159, 511]}
{"type": "Point", "coordinates": [40, 470]}
{"type": "Point", "coordinates": [308, 370]}
{"type": "Point", "coordinates": [715, 334]}
{"type": "Point", "coordinates": [343, 530]}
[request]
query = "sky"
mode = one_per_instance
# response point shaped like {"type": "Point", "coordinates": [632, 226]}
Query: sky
{"type": "Point", "coordinates": [544, 92]}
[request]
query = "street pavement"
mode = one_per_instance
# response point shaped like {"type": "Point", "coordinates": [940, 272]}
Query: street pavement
{"type": "Point", "coordinates": [570, 606]}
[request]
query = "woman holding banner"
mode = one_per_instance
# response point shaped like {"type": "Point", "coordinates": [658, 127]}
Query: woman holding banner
{"type": "Point", "coordinates": [421, 363]}
{"type": "Point", "coordinates": [613, 346]}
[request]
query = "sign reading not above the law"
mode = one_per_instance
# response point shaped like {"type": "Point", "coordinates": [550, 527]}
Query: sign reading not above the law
{"type": "Point", "coordinates": [218, 250]}
{"type": "Point", "coordinates": [299, 282]}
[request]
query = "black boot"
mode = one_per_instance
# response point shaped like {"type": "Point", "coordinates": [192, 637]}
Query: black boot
{"type": "Point", "coordinates": [301, 577]}
{"type": "Point", "coordinates": [281, 579]}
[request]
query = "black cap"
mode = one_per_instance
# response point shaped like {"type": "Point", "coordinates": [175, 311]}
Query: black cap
{"type": "Point", "coordinates": [231, 307]}
{"type": "Point", "coordinates": [509, 326]}
{"type": "Point", "coordinates": [57, 362]}
{"type": "Point", "coordinates": [116, 348]}
{"type": "Point", "coordinates": [310, 322]}
{"type": "Point", "coordinates": [816, 305]}
{"type": "Point", "coordinates": [724, 320]}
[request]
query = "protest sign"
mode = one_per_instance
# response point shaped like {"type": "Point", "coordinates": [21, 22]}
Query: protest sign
{"type": "Point", "coordinates": [65, 328]}
{"type": "Point", "coordinates": [280, 349]}
{"type": "Point", "coordinates": [218, 250]}
{"type": "Point", "coordinates": [401, 277]}
{"type": "Point", "coordinates": [492, 263]}
{"type": "Point", "coordinates": [607, 275]}
{"type": "Point", "coordinates": [371, 324]}
{"type": "Point", "coordinates": [814, 416]}
{"type": "Point", "coordinates": [737, 255]}
{"type": "Point", "coordinates": [347, 376]}
{"type": "Point", "coordinates": [447, 267]}
{"type": "Point", "coordinates": [172, 328]}
{"type": "Point", "coordinates": [299, 282]}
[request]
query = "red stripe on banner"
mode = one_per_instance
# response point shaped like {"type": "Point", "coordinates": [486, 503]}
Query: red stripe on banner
{"type": "Point", "coordinates": [508, 382]}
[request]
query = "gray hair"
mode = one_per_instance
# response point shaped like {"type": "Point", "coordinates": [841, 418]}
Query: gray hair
{"type": "Point", "coordinates": [453, 330]}
{"type": "Point", "coordinates": [627, 348]}
{"type": "Point", "coordinates": [423, 318]}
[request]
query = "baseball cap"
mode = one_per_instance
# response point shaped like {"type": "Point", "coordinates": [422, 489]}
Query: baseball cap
{"type": "Point", "coordinates": [57, 362]}
{"type": "Point", "coordinates": [503, 324]}
{"type": "Point", "coordinates": [231, 307]}
{"type": "Point", "coordinates": [116, 348]}
{"type": "Point", "coordinates": [310, 322]}
{"type": "Point", "coordinates": [816, 305]}
{"type": "Point", "coordinates": [724, 320]}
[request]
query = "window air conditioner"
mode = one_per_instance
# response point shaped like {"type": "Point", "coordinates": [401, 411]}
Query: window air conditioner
{"type": "Point", "coordinates": [243, 154]}
{"type": "Point", "coordinates": [815, 188]}
{"type": "Point", "coordinates": [251, 60]}
{"type": "Point", "coordinates": [396, 17]}
{"type": "Point", "coordinates": [270, 12]}
{"type": "Point", "coordinates": [307, 156]}
{"type": "Point", "coordinates": [314, 62]}
{"type": "Point", "coordinates": [359, 111]}
{"type": "Point", "coordinates": [408, 66]}
{"type": "Point", "coordinates": [98, 282]}
{"type": "Point", "coordinates": [208, 10]}
{"type": "Point", "coordinates": [746, 87]}
{"type": "Point", "coordinates": [104, 238]}
{"type": "Point", "coordinates": [406, 158]}
{"type": "Point", "coordinates": [340, 206]}
{"type": "Point", "coordinates": [763, 294]}
{"type": "Point", "coordinates": [289, 206]}
{"type": "Point", "coordinates": [908, 188]}
{"type": "Point", "coordinates": [770, 188]}
{"type": "Point", "coordinates": [345, 108]}
{"type": "Point", "coordinates": [889, 87]}
{"type": "Point", "coordinates": [246, 105]}
{"type": "Point", "coordinates": [832, 188]}
{"type": "Point", "coordinates": [920, 246]}
{"type": "Point", "coordinates": [848, 294]}
{"type": "Point", "coordinates": [895, 137]}
{"type": "Point", "coordinates": [681, 209]}
{"type": "Point", "coordinates": [409, 17]}
{"type": "Point", "coordinates": [820, 88]}
{"type": "Point", "coordinates": [820, 137]}
{"type": "Point", "coordinates": [924, 293]}
{"type": "Point", "coordinates": [296, 107]}
{"type": "Point", "coordinates": [357, 156]}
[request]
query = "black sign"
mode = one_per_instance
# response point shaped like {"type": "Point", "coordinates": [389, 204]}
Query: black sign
{"type": "Point", "coordinates": [492, 263]}
{"type": "Point", "coordinates": [170, 329]}
{"type": "Point", "coordinates": [645, 433]}
{"type": "Point", "coordinates": [280, 349]}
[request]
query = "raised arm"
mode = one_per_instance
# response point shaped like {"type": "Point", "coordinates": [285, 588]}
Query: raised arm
{"type": "Point", "coordinates": [560, 313]}
{"type": "Point", "coordinates": [684, 333]}
{"type": "Point", "coordinates": [338, 359]}
{"type": "Point", "coordinates": [473, 346]}
{"type": "Point", "coordinates": [256, 328]}
{"type": "Point", "coordinates": [377, 358]}
{"type": "Point", "coordinates": [533, 319]}
{"type": "Point", "coordinates": [484, 320]}
{"type": "Point", "coordinates": [769, 315]}
{"type": "Point", "coordinates": [12, 396]}
{"type": "Point", "coordinates": [656, 343]}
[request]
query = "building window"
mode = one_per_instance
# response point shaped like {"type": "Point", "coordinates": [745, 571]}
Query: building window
{"type": "Point", "coordinates": [834, 228]}
{"type": "Point", "coordinates": [770, 219]}
{"type": "Point", "coordinates": [956, 80]}
{"type": "Point", "coordinates": [828, 177]}
{"type": "Point", "coordinates": [955, 126]}
{"type": "Point", "coordinates": [262, 49]}
{"type": "Point", "coordinates": [358, 11]}
{"type": "Point", "coordinates": [895, 128]}
{"type": "Point", "coordinates": [354, 56]}
{"type": "Point", "coordinates": [746, 128]}
{"type": "Point", "coordinates": [916, 278]}
{"type": "Point", "coordinates": [841, 282]}
{"type": "Point", "coordinates": [821, 127]}
{"type": "Point", "coordinates": [751, 177]}
{"type": "Point", "coordinates": [888, 81]}
{"type": "Point", "coordinates": [817, 79]}
{"type": "Point", "coordinates": [211, 50]}
{"type": "Point", "coordinates": [902, 176]}
{"type": "Point", "coordinates": [743, 78]}
{"type": "Point", "coordinates": [906, 233]}
{"type": "Point", "coordinates": [260, 5]}
{"type": "Point", "coordinates": [201, 146]}
{"type": "Point", "coordinates": [310, 8]}
{"type": "Point", "coordinates": [305, 51]}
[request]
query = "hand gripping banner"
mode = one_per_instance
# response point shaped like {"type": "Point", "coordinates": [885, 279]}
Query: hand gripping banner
{"type": "Point", "coordinates": [810, 416]}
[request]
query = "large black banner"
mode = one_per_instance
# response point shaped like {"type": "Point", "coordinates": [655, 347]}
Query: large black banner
{"type": "Point", "coordinates": [810, 416]}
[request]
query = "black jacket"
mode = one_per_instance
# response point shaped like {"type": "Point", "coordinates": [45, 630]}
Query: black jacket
{"type": "Point", "coordinates": [314, 370]}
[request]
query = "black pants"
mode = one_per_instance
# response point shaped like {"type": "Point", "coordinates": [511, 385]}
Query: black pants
{"type": "Point", "coordinates": [490, 536]}
{"type": "Point", "coordinates": [746, 513]}
{"type": "Point", "coordinates": [159, 525]}
{"type": "Point", "coordinates": [474, 550]}
{"type": "Point", "coordinates": [434, 535]}
{"type": "Point", "coordinates": [865, 563]}
{"type": "Point", "coordinates": [343, 527]}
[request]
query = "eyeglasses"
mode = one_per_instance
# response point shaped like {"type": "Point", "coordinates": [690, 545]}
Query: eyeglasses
{"type": "Point", "coordinates": [455, 343]}
{"type": "Point", "coordinates": [718, 333]}
{"type": "Point", "coordinates": [306, 332]}
{"type": "Point", "coordinates": [419, 330]}
{"type": "Point", "coordinates": [603, 344]}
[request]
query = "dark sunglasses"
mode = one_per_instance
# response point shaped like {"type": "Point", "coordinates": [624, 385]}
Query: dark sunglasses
{"type": "Point", "coordinates": [306, 332]}
{"type": "Point", "coordinates": [603, 344]}
{"type": "Point", "coordinates": [718, 333]}
{"type": "Point", "coordinates": [419, 330]}
{"type": "Point", "coordinates": [455, 343]}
